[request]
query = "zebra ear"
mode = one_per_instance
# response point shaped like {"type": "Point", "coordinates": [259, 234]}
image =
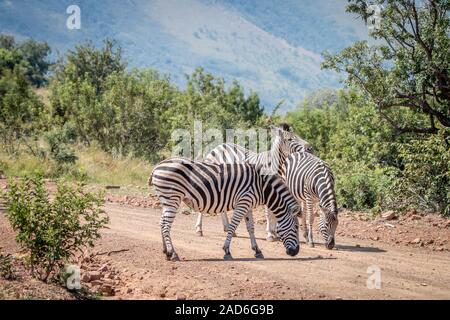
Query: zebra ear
{"type": "Point", "coordinates": [277, 130]}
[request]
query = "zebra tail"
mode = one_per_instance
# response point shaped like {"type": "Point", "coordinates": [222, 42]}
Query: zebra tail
{"type": "Point", "coordinates": [149, 181]}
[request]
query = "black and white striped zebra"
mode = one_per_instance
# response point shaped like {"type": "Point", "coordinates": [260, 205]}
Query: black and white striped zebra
{"type": "Point", "coordinates": [284, 143]}
{"type": "Point", "coordinates": [311, 181]}
{"type": "Point", "coordinates": [214, 188]}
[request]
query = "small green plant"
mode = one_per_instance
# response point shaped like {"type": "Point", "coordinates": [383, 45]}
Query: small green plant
{"type": "Point", "coordinates": [6, 267]}
{"type": "Point", "coordinates": [53, 231]}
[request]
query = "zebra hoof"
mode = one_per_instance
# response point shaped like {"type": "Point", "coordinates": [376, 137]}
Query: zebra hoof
{"type": "Point", "coordinates": [311, 244]}
{"type": "Point", "coordinates": [271, 239]}
{"type": "Point", "coordinates": [199, 233]}
{"type": "Point", "coordinates": [259, 255]}
{"type": "Point", "coordinates": [227, 257]}
{"type": "Point", "coordinates": [174, 257]}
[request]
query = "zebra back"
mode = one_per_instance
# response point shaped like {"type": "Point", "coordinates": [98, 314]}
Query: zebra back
{"type": "Point", "coordinates": [271, 161]}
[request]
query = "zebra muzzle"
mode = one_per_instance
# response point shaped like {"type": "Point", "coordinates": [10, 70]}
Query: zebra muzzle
{"type": "Point", "coordinates": [330, 244]}
{"type": "Point", "coordinates": [293, 251]}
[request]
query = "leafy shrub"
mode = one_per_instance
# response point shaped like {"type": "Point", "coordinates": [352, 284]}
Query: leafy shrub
{"type": "Point", "coordinates": [363, 188]}
{"type": "Point", "coordinates": [424, 181]}
{"type": "Point", "coordinates": [53, 231]}
{"type": "Point", "coordinates": [59, 141]}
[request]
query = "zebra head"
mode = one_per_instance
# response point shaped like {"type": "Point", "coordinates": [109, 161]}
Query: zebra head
{"type": "Point", "coordinates": [287, 229]}
{"type": "Point", "coordinates": [327, 226]}
{"type": "Point", "coordinates": [289, 142]}
{"type": "Point", "coordinates": [280, 201]}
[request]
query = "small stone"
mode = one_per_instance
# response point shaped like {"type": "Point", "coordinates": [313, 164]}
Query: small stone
{"type": "Point", "coordinates": [181, 297]}
{"type": "Point", "coordinates": [416, 241]}
{"type": "Point", "coordinates": [103, 268]}
{"type": "Point", "coordinates": [94, 275]}
{"type": "Point", "coordinates": [388, 215]}
{"type": "Point", "coordinates": [423, 284]}
{"type": "Point", "coordinates": [416, 217]}
{"type": "Point", "coordinates": [107, 290]}
{"type": "Point", "coordinates": [96, 282]}
{"type": "Point", "coordinates": [86, 277]}
{"type": "Point", "coordinates": [358, 246]}
{"type": "Point", "coordinates": [339, 298]}
{"type": "Point", "coordinates": [128, 290]}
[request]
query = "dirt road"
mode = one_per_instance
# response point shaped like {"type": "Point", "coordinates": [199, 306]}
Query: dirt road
{"type": "Point", "coordinates": [316, 273]}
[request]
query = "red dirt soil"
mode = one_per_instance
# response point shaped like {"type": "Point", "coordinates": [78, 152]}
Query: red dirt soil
{"type": "Point", "coordinates": [411, 252]}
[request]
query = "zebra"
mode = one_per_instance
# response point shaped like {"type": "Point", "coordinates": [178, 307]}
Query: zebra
{"type": "Point", "coordinates": [285, 142]}
{"type": "Point", "coordinates": [214, 188]}
{"type": "Point", "coordinates": [311, 180]}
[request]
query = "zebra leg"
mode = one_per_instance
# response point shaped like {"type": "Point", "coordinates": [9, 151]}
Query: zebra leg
{"type": "Point", "coordinates": [304, 226]}
{"type": "Point", "coordinates": [166, 221]}
{"type": "Point", "coordinates": [251, 231]}
{"type": "Point", "coordinates": [310, 221]}
{"type": "Point", "coordinates": [270, 225]}
{"type": "Point", "coordinates": [198, 225]}
{"type": "Point", "coordinates": [225, 222]}
{"type": "Point", "coordinates": [239, 212]}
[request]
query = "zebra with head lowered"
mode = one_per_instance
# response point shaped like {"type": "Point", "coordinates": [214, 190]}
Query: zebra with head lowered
{"type": "Point", "coordinates": [311, 181]}
{"type": "Point", "coordinates": [214, 188]}
{"type": "Point", "coordinates": [285, 142]}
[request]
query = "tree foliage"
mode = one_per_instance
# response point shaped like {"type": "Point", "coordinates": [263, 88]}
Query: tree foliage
{"type": "Point", "coordinates": [20, 109]}
{"type": "Point", "coordinates": [30, 56]}
{"type": "Point", "coordinates": [406, 71]}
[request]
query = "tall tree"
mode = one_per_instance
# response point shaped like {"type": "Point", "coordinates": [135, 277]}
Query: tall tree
{"type": "Point", "coordinates": [31, 57]}
{"type": "Point", "coordinates": [406, 71]}
{"type": "Point", "coordinates": [36, 64]}
{"type": "Point", "coordinates": [91, 64]}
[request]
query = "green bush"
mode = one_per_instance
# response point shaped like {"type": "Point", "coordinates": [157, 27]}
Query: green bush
{"type": "Point", "coordinates": [59, 141]}
{"type": "Point", "coordinates": [424, 181]}
{"type": "Point", "coordinates": [53, 231]}
{"type": "Point", "coordinates": [363, 188]}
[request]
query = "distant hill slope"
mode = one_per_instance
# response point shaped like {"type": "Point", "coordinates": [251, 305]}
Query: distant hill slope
{"type": "Point", "coordinates": [271, 47]}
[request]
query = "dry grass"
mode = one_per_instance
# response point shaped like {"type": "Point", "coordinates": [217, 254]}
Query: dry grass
{"type": "Point", "coordinates": [93, 166]}
{"type": "Point", "coordinates": [100, 167]}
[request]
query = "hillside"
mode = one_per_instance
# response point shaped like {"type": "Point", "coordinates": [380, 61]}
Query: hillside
{"type": "Point", "coordinates": [272, 48]}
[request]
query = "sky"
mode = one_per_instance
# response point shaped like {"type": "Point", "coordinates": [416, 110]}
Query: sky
{"type": "Point", "coordinates": [272, 47]}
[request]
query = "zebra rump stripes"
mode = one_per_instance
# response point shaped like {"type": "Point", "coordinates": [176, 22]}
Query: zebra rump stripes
{"type": "Point", "coordinates": [311, 180]}
{"type": "Point", "coordinates": [215, 188]}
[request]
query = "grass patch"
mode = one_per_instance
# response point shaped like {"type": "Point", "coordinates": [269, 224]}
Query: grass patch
{"type": "Point", "coordinates": [25, 165]}
{"type": "Point", "coordinates": [102, 168]}
{"type": "Point", "coordinates": [92, 166]}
